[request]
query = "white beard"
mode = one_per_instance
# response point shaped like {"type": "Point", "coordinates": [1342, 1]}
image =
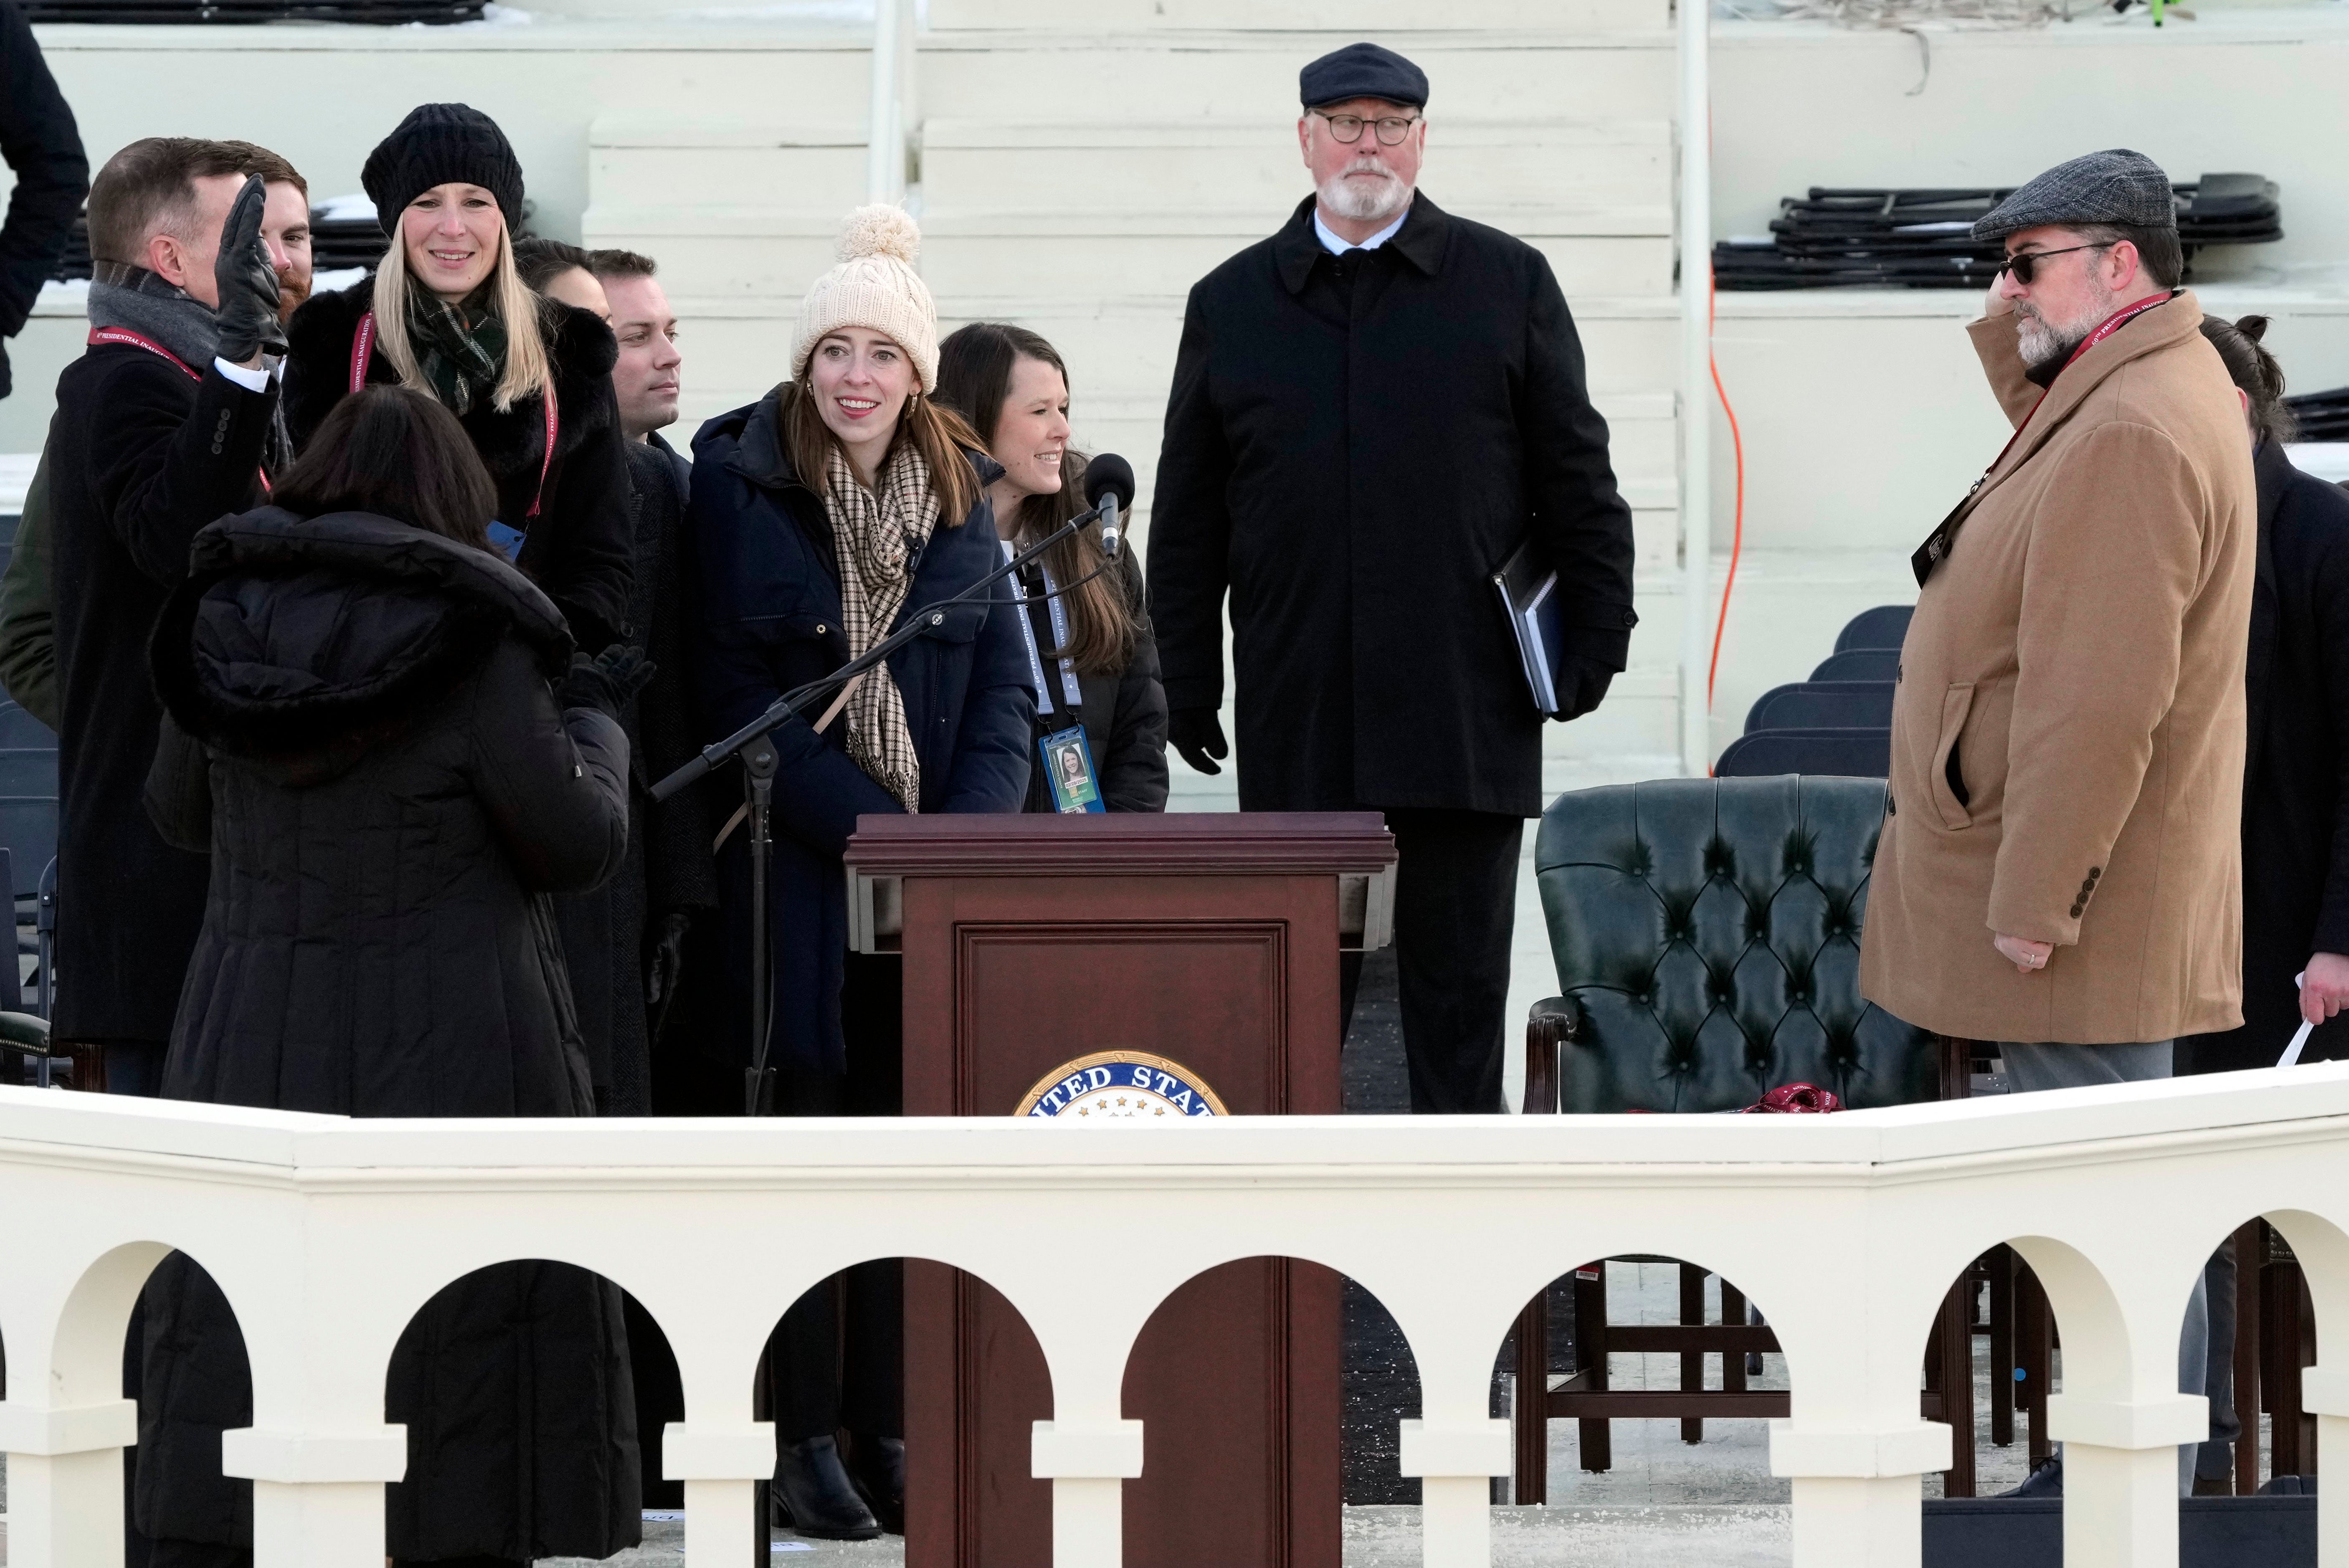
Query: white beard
{"type": "Point", "coordinates": [1354, 194]}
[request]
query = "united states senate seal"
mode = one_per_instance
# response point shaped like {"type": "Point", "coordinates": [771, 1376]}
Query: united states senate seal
{"type": "Point", "coordinates": [1121, 1086]}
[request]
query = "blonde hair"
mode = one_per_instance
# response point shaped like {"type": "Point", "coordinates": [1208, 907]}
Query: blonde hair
{"type": "Point", "coordinates": [528, 372]}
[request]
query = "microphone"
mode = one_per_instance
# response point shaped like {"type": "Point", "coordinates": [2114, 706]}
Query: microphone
{"type": "Point", "coordinates": [1109, 485]}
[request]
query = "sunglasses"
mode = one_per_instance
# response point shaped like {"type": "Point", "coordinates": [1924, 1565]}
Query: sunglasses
{"type": "Point", "coordinates": [2024, 264]}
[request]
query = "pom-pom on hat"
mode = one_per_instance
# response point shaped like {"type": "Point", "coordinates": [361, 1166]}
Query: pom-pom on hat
{"type": "Point", "coordinates": [874, 286]}
{"type": "Point", "coordinates": [441, 144]}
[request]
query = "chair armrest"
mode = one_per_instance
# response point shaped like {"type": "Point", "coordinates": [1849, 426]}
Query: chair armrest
{"type": "Point", "coordinates": [24, 1035]}
{"type": "Point", "coordinates": [1550, 1023]}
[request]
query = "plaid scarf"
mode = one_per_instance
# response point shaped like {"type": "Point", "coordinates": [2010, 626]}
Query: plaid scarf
{"type": "Point", "coordinates": [877, 537]}
{"type": "Point", "coordinates": [460, 348]}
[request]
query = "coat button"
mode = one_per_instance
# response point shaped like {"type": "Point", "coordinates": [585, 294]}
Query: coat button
{"type": "Point", "coordinates": [2096, 871]}
{"type": "Point", "coordinates": [2076, 909]}
{"type": "Point", "coordinates": [819, 628]}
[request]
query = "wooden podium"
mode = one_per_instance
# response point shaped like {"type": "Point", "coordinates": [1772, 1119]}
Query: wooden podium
{"type": "Point", "coordinates": [1209, 938]}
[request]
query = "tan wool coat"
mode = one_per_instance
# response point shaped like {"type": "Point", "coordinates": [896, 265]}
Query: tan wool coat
{"type": "Point", "coordinates": [2067, 732]}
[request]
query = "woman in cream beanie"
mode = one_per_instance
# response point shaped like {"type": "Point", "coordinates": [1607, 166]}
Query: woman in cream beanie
{"type": "Point", "coordinates": [846, 502]}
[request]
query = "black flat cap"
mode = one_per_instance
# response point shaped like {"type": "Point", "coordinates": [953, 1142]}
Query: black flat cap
{"type": "Point", "coordinates": [1363, 70]}
{"type": "Point", "coordinates": [2116, 186]}
{"type": "Point", "coordinates": [443, 144]}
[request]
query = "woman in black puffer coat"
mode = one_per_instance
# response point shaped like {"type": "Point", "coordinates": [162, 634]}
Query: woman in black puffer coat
{"type": "Point", "coordinates": [363, 731]}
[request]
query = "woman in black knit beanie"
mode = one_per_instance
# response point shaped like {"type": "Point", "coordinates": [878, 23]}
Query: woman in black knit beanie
{"type": "Point", "coordinates": [529, 378]}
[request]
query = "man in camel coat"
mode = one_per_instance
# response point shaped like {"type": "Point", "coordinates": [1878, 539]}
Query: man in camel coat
{"type": "Point", "coordinates": [2059, 869]}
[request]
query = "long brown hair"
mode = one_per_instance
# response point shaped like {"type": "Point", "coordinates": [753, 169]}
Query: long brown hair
{"type": "Point", "coordinates": [938, 433]}
{"type": "Point", "coordinates": [398, 453]}
{"type": "Point", "coordinates": [975, 366]}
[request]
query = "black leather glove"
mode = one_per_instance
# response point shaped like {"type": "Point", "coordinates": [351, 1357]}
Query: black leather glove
{"type": "Point", "coordinates": [1198, 734]}
{"type": "Point", "coordinates": [247, 281]}
{"type": "Point", "coordinates": [606, 681]}
{"type": "Point", "coordinates": [665, 959]}
{"type": "Point", "coordinates": [1581, 685]}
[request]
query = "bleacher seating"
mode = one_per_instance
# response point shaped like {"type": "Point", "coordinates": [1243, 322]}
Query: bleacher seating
{"type": "Point", "coordinates": [1882, 627]}
{"type": "Point", "coordinates": [1859, 665]}
{"type": "Point", "coordinates": [1850, 753]}
{"type": "Point", "coordinates": [1822, 705]}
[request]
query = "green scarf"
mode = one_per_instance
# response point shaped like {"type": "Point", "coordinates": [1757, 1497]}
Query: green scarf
{"type": "Point", "coordinates": [461, 348]}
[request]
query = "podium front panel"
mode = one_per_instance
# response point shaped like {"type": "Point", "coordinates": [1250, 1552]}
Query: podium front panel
{"type": "Point", "coordinates": [1231, 971]}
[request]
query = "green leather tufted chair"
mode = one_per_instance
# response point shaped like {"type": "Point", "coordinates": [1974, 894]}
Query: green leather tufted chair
{"type": "Point", "coordinates": [1707, 938]}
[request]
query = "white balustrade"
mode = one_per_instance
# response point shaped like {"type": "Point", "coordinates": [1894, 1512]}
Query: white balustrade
{"type": "Point", "coordinates": [327, 1234]}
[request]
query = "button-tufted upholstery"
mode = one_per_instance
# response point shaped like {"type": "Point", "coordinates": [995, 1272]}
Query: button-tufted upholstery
{"type": "Point", "coordinates": [1707, 938]}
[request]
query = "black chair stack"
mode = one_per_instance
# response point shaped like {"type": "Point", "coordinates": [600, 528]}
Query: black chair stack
{"type": "Point", "coordinates": [1837, 722]}
{"type": "Point", "coordinates": [2322, 416]}
{"type": "Point", "coordinates": [29, 850]}
{"type": "Point", "coordinates": [1923, 239]}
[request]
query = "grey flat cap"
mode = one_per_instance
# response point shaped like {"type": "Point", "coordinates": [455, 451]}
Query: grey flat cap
{"type": "Point", "coordinates": [2116, 186]}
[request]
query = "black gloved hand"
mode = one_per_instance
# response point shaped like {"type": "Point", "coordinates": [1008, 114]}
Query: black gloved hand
{"type": "Point", "coordinates": [1198, 734]}
{"type": "Point", "coordinates": [665, 959]}
{"type": "Point", "coordinates": [1581, 685]}
{"type": "Point", "coordinates": [247, 281]}
{"type": "Point", "coordinates": [606, 681]}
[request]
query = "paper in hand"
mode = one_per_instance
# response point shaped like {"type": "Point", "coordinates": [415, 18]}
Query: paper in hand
{"type": "Point", "coordinates": [2291, 1056]}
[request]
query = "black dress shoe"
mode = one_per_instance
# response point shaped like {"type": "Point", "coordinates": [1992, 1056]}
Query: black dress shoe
{"type": "Point", "coordinates": [877, 1466]}
{"type": "Point", "coordinates": [2047, 1480]}
{"type": "Point", "coordinates": [814, 1495]}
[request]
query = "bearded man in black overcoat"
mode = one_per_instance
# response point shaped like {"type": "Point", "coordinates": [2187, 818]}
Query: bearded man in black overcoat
{"type": "Point", "coordinates": [1372, 411]}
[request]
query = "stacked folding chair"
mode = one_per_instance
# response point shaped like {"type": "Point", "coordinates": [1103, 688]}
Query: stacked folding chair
{"type": "Point", "coordinates": [386, 13]}
{"type": "Point", "coordinates": [1923, 239]}
{"type": "Point", "coordinates": [2322, 416]}
{"type": "Point", "coordinates": [1837, 722]}
{"type": "Point", "coordinates": [28, 849]}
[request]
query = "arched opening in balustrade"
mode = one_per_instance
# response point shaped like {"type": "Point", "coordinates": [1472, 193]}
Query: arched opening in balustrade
{"type": "Point", "coordinates": [909, 1374]}
{"type": "Point", "coordinates": [1994, 1354]}
{"type": "Point", "coordinates": [2272, 1288]}
{"type": "Point", "coordinates": [515, 1383]}
{"type": "Point", "coordinates": [1637, 1379]}
{"type": "Point", "coordinates": [1270, 1389]}
{"type": "Point", "coordinates": [184, 1363]}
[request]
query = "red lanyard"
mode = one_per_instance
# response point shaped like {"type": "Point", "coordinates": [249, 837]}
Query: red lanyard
{"type": "Point", "coordinates": [124, 336]}
{"type": "Point", "coordinates": [363, 355]}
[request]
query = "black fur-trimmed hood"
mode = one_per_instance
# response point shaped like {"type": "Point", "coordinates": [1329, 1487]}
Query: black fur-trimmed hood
{"type": "Point", "coordinates": [318, 376]}
{"type": "Point", "coordinates": [303, 643]}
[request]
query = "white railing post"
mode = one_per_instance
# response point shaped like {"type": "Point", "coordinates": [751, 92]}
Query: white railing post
{"type": "Point", "coordinates": [65, 1482]}
{"type": "Point", "coordinates": [1087, 1464]}
{"type": "Point", "coordinates": [2120, 1476]}
{"type": "Point", "coordinates": [1696, 377]}
{"type": "Point", "coordinates": [719, 1463]}
{"type": "Point", "coordinates": [884, 155]}
{"type": "Point", "coordinates": [1855, 1493]}
{"type": "Point", "coordinates": [2325, 1394]}
{"type": "Point", "coordinates": [1455, 1462]}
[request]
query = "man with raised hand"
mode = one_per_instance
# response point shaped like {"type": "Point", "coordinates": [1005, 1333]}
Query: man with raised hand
{"type": "Point", "coordinates": [164, 424]}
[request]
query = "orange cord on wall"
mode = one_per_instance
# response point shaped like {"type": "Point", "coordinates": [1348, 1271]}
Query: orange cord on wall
{"type": "Point", "coordinates": [1737, 534]}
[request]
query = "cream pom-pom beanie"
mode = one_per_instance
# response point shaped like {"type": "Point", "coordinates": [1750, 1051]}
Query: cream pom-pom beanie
{"type": "Point", "coordinates": [874, 286]}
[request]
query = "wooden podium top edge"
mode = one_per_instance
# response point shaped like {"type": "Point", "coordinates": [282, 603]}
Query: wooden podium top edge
{"type": "Point", "coordinates": [1227, 843]}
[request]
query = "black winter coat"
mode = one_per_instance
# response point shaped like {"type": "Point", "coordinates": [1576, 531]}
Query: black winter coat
{"type": "Point", "coordinates": [580, 549]}
{"type": "Point", "coordinates": [362, 732]}
{"type": "Point", "coordinates": [2296, 772]}
{"type": "Point", "coordinates": [669, 868]}
{"type": "Point", "coordinates": [769, 620]}
{"type": "Point", "coordinates": [42, 147]}
{"type": "Point", "coordinates": [1123, 712]}
{"type": "Point", "coordinates": [1353, 446]}
{"type": "Point", "coordinates": [141, 456]}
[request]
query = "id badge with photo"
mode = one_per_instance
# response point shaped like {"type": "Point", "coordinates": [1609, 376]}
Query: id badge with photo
{"type": "Point", "coordinates": [1069, 765]}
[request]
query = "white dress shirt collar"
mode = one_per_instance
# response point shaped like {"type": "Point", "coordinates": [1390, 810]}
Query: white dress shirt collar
{"type": "Point", "coordinates": [1339, 247]}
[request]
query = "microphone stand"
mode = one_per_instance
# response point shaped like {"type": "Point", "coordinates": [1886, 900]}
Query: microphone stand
{"type": "Point", "coordinates": [755, 744]}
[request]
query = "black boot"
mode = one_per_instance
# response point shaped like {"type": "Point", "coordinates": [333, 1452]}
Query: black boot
{"type": "Point", "coordinates": [877, 1466]}
{"type": "Point", "coordinates": [2047, 1480]}
{"type": "Point", "coordinates": [815, 1496]}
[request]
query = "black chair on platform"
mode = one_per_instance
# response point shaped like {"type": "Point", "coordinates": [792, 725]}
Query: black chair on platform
{"type": "Point", "coordinates": [24, 1038]}
{"type": "Point", "coordinates": [1830, 753]}
{"type": "Point", "coordinates": [1707, 938]}
{"type": "Point", "coordinates": [28, 829]}
{"type": "Point", "coordinates": [1859, 665]}
{"type": "Point", "coordinates": [1882, 627]}
{"type": "Point", "coordinates": [1822, 705]}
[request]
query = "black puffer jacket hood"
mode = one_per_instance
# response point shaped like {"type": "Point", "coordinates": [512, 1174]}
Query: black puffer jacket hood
{"type": "Point", "coordinates": [300, 643]}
